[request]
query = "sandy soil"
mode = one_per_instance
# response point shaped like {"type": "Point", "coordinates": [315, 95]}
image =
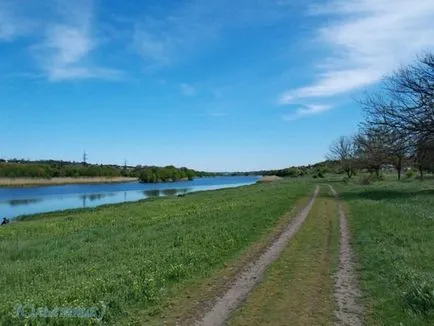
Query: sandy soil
{"type": "Point", "coordinates": [252, 274]}
{"type": "Point", "coordinates": [347, 293]}
{"type": "Point", "coordinates": [269, 178]}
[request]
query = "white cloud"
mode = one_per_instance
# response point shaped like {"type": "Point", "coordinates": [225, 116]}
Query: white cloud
{"type": "Point", "coordinates": [67, 47]}
{"type": "Point", "coordinates": [65, 53]}
{"type": "Point", "coordinates": [13, 22]}
{"type": "Point", "coordinates": [8, 26]}
{"type": "Point", "coordinates": [191, 25]}
{"type": "Point", "coordinates": [63, 31]}
{"type": "Point", "coordinates": [368, 39]}
{"type": "Point", "coordinates": [306, 110]}
{"type": "Point", "coordinates": [188, 90]}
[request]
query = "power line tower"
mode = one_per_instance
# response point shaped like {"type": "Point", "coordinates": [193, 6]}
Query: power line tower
{"type": "Point", "coordinates": [84, 158]}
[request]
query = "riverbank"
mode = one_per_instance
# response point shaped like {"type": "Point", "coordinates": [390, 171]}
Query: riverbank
{"type": "Point", "coordinates": [135, 257]}
{"type": "Point", "coordinates": [34, 182]}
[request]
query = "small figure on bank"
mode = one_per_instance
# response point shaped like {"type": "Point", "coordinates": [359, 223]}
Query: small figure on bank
{"type": "Point", "coordinates": [5, 221]}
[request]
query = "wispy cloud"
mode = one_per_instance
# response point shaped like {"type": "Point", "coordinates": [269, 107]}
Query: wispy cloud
{"type": "Point", "coordinates": [8, 23]}
{"type": "Point", "coordinates": [217, 114]}
{"type": "Point", "coordinates": [13, 22]}
{"type": "Point", "coordinates": [191, 25]}
{"type": "Point", "coordinates": [65, 52]}
{"type": "Point", "coordinates": [188, 90]}
{"type": "Point", "coordinates": [306, 110]}
{"type": "Point", "coordinates": [368, 39]}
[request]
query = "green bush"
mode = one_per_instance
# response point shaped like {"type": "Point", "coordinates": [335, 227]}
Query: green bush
{"type": "Point", "coordinates": [409, 174]}
{"type": "Point", "coordinates": [365, 180]}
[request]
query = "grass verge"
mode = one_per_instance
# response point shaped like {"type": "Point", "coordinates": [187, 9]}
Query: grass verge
{"type": "Point", "coordinates": [133, 256]}
{"type": "Point", "coordinates": [392, 227]}
{"type": "Point", "coordinates": [298, 288]}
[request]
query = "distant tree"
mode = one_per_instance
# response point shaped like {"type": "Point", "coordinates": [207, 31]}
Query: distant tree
{"type": "Point", "coordinates": [371, 149]}
{"type": "Point", "coordinates": [343, 150]}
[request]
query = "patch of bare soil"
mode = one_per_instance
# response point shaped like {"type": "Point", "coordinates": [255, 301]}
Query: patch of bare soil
{"type": "Point", "coordinates": [252, 274]}
{"type": "Point", "coordinates": [269, 178]}
{"type": "Point", "coordinates": [347, 293]}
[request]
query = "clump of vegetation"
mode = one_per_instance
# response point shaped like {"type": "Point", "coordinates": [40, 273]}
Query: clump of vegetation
{"type": "Point", "coordinates": [420, 298]}
{"type": "Point", "coordinates": [409, 174]}
{"type": "Point", "coordinates": [318, 173]}
{"type": "Point", "coordinates": [153, 174]}
{"type": "Point", "coordinates": [365, 180]}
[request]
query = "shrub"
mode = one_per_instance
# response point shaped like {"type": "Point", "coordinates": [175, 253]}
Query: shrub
{"type": "Point", "coordinates": [366, 180]}
{"type": "Point", "coordinates": [409, 174]}
{"type": "Point", "coordinates": [379, 178]}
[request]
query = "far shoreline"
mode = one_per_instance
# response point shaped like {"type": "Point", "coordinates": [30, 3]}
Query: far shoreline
{"type": "Point", "coordinates": [36, 182]}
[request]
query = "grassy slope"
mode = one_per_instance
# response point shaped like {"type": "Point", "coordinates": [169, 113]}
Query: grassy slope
{"type": "Point", "coordinates": [298, 287]}
{"type": "Point", "coordinates": [132, 255]}
{"type": "Point", "coordinates": [393, 234]}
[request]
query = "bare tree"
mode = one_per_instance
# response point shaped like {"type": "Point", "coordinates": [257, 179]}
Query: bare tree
{"type": "Point", "coordinates": [404, 108]}
{"type": "Point", "coordinates": [424, 155]}
{"type": "Point", "coordinates": [343, 150]}
{"type": "Point", "coordinates": [371, 147]}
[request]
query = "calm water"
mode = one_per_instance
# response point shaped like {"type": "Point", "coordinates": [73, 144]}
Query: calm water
{"type": "Point", "coordinates": [23, 201]}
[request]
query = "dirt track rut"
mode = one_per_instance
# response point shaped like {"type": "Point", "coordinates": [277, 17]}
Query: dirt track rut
{"type": "Point", "coordinates": [347, 294]}
{"type": "Point", "coordinates": [252, 274]}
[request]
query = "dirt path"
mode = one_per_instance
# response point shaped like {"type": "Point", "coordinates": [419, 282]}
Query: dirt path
{"type": "Point", "coordinates": [252, 274]}
{"type": "Point", "coordinates": [347, 294]}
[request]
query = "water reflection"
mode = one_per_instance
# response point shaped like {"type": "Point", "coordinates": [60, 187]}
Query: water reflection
{"type": "Point", "coordinates": [169, 192]}
{"type": "Point", "coordinates": [95, 197]}
{"type": "Point", "coordinates": [18, 202]}
{"type": "Point", "coordinates": [152, 193]}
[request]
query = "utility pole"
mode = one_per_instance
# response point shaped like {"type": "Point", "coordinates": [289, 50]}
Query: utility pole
{"type": "Point", "coordinates": [124, 170]}
{"type": "Point", "coordinates": [84, 158]}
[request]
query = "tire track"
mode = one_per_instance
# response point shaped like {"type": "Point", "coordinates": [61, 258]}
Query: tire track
{"type": "Point", "coordinates": [253, 273]}
{"type": "Point", "coordinates": [347, 293]}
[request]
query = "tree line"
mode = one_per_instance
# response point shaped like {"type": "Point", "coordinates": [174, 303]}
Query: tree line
{"type": "Point", "coordinates": [317, 170]}
{"type": "Point", "coordinates": [53, 169]}
{"type": "Point", "coordinates": [154, 174]}
{"type": "Point", "coordinates": [398, 126]}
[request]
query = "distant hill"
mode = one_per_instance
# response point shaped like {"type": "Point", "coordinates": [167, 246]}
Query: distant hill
{"type": "Point", "coordinates": [318, 169]}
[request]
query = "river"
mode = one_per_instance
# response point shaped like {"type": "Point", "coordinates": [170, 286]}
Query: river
{"type": "Point", "coordinates": [16, 202]}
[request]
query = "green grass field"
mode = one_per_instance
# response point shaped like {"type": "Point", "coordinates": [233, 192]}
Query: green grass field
{"type": "Point", "coordinates": [133, 256]}
{"type": "Point", "coordinates": [392, 226]}
{"type": "Point", "coordinates": [154, 260]}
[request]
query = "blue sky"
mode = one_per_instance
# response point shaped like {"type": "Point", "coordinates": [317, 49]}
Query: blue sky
{"type": "Point", "coordinates": [212, 84]}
